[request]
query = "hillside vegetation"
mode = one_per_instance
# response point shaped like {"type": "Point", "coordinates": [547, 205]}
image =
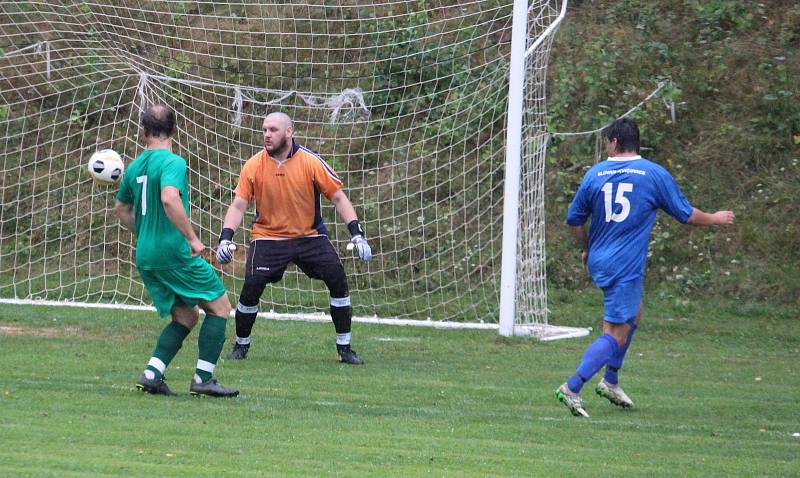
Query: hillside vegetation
{"type": "Point", "coordinates": [734, 145]}
{"type": "Point", "coordinates": [426, 168]}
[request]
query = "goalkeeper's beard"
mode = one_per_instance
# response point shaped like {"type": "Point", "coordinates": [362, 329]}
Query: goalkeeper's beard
{"type": "Point", "coordinates": [277, 148]}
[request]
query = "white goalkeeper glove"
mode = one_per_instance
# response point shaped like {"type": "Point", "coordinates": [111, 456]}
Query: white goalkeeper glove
{"type": "Point", "coordinates": [225, 251]}
{"type": "Point", "coordinates": [226, 246]}
{"type": "Point", "coordinates": [358, 242]}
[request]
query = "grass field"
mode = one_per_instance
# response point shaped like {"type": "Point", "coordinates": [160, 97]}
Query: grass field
{"type": "Point", "coordinates": [716, 388]}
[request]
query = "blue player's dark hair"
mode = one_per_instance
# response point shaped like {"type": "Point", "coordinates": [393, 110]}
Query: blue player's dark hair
{"type": "Point", "coordinates": [158, 121]}
{"type": "Point", "coordinates": [626, 133]}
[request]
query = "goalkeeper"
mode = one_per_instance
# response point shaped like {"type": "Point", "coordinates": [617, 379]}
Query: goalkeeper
{"type": "Point", "coordinates": [285, 181]}
{"type": "Point", "coordinates": [153, 203]}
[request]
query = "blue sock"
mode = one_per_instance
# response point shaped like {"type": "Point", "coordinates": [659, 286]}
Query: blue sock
{"type": "Point", "coordinates": [596, 356]}
{"type": "Point", "coordinates": [615, 363]}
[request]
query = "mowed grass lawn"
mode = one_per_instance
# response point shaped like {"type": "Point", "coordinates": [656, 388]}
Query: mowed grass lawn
{"type": "Point", "coordinates": [716, 386]}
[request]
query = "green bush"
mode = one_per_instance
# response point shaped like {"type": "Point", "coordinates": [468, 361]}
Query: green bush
{"type": "Point", "coordinates": [733, 67]}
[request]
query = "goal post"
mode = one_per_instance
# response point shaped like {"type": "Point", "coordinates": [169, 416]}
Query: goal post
{"type": "Point", "coordinates": [523, 293]}
{"type": "Point", "coordinates": [409, 101]}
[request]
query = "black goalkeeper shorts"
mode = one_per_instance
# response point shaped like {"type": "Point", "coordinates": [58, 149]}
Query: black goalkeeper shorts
{"type": "Point", "coordinates": [315, 256]}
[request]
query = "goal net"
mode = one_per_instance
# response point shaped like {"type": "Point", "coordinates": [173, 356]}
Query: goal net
{"type": "Point", "coordinates": [406, 100]}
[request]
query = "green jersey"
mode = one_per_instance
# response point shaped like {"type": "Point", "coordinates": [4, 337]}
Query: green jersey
{"type": "Point", "coordinates": [159, 244]}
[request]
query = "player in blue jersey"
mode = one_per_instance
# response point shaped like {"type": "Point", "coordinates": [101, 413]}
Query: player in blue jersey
{"type": "Point", "coordinates": [622, 195]}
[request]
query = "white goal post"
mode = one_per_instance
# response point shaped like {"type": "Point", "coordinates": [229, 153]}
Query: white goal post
{"type": "Point", "coordinates": [418, 105]}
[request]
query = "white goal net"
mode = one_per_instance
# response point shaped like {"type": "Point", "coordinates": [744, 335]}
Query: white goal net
{"type": "Point", "coordinates": [407, 100]}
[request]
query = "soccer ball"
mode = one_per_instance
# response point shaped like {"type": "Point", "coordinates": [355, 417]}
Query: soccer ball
{"type": "Point", "coordinates": [106, 167]}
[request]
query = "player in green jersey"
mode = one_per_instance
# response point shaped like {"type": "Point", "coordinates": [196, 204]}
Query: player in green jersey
{"type": "Point", "coordinates": [153, 203]}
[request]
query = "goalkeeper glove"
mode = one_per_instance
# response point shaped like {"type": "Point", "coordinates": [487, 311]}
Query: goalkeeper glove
{"type": "Point", "coordinates": [226, 246]}
{"type": "Point", "coordinates": [358, 242]}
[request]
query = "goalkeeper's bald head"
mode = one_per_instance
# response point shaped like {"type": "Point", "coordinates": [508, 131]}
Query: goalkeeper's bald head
{"type": "Point", "coordinates": [281, 118]}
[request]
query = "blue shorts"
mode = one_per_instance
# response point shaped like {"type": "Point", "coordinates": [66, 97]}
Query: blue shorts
{"type": "Point", "coordinates": [622, 300]}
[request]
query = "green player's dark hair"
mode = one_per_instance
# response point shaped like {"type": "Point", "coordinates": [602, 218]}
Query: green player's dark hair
{"type": "Point", "coordinates": [158, 121]}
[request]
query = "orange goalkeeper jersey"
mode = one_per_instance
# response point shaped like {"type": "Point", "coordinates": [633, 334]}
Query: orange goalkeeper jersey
{"type": "Point", "coordinates": [287, 193]}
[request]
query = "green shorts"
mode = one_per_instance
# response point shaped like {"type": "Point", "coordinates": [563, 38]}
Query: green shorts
{"type": "Point", "coordinates": [187, 285]}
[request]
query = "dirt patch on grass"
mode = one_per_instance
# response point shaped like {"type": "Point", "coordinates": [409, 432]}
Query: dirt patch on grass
{"type": "Point", "coordinates": [45, 332]}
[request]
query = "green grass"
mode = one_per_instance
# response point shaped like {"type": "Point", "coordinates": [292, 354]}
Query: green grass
{"type": "Point", "coordinates": [715, 386]}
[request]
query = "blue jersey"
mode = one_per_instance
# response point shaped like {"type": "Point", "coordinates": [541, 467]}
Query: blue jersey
{"type": "Point", "coordinates": [622, 196]}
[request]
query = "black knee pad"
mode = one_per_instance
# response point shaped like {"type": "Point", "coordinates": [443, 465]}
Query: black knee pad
{"type": "Point", "coordinates": [336, 280]}
{"type": "Point", "coordinates": [252, 290]}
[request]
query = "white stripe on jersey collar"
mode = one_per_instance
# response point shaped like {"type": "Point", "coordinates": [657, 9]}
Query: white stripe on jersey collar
{"type": "Point", "coordinates": [624, 158]}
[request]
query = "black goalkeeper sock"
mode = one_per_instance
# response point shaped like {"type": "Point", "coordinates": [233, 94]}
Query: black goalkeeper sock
{"type": "Point", "coordinates": [245, 319]}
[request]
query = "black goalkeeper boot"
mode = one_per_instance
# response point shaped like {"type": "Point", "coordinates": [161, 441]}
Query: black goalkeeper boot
{"type": "Point", "coordinates": [348, 355]}
{"type": "Point", "coordinates": [239, 352]}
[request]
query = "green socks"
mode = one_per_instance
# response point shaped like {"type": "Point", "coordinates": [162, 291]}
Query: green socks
{"type": "Point", "coordinates": [210, 343]}
{"type": "Point", "coordinates": [167, 346]}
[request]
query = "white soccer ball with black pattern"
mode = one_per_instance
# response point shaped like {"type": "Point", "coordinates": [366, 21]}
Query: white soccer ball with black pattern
{"type": "Point", "coordinates": [106, 167]}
